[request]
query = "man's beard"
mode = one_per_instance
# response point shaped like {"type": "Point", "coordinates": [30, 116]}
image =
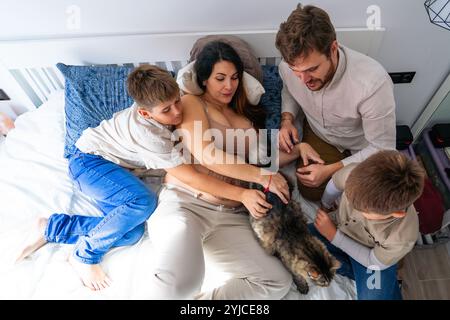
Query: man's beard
{"type": "Point", "coordinates": [328, 77]}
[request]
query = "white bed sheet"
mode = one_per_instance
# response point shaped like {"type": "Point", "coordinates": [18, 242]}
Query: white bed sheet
{"type": "Point", "coordinates": [34, 182]}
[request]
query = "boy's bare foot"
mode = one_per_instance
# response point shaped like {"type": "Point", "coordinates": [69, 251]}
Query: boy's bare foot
{"type": "Point", "coordinates": [35, 239]}
{"type": "Point", "coordinates": [91, 275]}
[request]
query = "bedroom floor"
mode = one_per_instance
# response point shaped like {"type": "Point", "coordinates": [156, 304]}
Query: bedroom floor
{"type": "Point", "coordinates": [426, 274]}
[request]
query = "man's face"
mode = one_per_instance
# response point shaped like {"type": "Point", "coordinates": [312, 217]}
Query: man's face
{"type": "Point", "coordinates": [316, 69]}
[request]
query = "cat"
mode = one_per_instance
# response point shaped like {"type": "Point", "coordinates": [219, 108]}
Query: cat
{"type": "Point", "coordinates": [284, 233]}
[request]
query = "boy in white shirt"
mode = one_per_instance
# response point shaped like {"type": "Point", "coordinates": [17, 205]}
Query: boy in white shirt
{"type": "Point", "coordinates": [135, 138]}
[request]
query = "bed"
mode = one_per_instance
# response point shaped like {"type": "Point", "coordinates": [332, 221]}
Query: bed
{"type": "Point", "coordinates": [34, 180]}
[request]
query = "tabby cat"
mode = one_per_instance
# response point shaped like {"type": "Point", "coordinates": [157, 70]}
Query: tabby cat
{"type": "Point", "coordinates": [284, 234]}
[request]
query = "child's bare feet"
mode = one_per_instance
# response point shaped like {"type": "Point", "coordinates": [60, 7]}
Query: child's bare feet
{"type": "Point", "coordinates": [35, 239]}
{"type": "Point", "coordinates": [91, 275]}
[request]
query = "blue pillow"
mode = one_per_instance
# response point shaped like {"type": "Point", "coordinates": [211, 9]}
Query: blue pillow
{"type": "Point", "coordinates": [271, 100]}
{"type": "Point", "coordinates": [92, 94]}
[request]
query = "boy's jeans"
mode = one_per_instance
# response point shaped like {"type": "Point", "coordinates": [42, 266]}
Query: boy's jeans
{"type": "Point", "coordinates": [370, 284]}
{"type": "Point", "coordinates": [125, 201]}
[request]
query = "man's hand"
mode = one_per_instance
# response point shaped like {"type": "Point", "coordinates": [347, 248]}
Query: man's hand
{"type": "Point", "coordinates": [324, 225]}
{"type": "Point", "coordinates": [288, 135]}
{"type": "Point", "coordinates": [313, 175]}
{"type": "Point", "coordinates": [308, 153]}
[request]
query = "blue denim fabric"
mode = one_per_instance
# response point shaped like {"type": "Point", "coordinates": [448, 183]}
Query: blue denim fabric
{"type": "Point", "coordinates": [388, 285]}
{"type": "Point", "coordinates": [124, 200]}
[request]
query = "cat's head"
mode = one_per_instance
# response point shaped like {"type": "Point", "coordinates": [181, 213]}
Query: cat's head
{"type": "Point", "coordinates": [318, 264]}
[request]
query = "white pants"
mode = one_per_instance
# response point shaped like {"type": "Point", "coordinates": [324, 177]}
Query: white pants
{"type": "Point", "coordinates": [183, 227]}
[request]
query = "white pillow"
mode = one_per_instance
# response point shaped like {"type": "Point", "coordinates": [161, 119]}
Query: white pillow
{"type": "Point", "coordinates": [187, 80]}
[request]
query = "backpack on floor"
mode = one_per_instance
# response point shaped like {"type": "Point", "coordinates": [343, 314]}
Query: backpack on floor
{"type": "Point", "coordinates": [440, 135]}
{"type": "Point", "coordinates": [430, 209]}
{"type": "Point", "coordinates": [404, 137]}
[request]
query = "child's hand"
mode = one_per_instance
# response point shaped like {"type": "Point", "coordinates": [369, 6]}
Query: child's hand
{"type": "Point", "coordinates": [308, 153]}
{"type": "Point", "coordinates": [324, 225]}
{"type": "Point", "coordinates": [255, 202]}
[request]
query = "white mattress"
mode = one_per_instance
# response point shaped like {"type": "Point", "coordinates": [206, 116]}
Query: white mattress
{"type": "Point", "coordinates": [34, 182]}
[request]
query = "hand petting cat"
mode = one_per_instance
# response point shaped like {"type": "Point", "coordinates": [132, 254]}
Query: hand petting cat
{"type": "Point", "coordinates": [255, 202]}
{"type": "Point", "coordinates": [284, 233]}
{"type": "Point", "coordinates": [324, 225]}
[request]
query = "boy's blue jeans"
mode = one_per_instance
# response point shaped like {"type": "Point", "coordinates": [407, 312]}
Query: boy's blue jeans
{"type": "Point", "coordinates": [370, 284]}
{"type": "Point", "coordinates": [125, 201]}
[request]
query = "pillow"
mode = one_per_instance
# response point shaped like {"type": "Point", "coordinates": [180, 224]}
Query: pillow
{"type": "Point", "coordinates": [92, 94]}
{"type": "Point", "coordinates": [271, 100]}
{"type": "Point", "coordinates": [187, 80]}
{"type": "Point", "coordinates": [251, 63]}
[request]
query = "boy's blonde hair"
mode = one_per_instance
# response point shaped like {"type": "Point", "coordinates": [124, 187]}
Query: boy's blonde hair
{"type": "Point", "coordinates": [150, 85]}
{"type": "Point", "coordinates": [386, 182]}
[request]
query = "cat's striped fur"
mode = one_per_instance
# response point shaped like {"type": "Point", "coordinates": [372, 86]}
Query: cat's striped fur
{"type": "Point", "coordinates": [284, 233]}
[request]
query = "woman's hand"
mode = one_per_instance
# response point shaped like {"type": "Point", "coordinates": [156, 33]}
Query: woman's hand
{"type": "Point", "coordinates": [324, 225]}
{"type": "Point", "coordinates": [255, 202]}
{"type": "Point", "coordinates": [308, 153]}
{"type": "Point", "coordinates": [278, 185]}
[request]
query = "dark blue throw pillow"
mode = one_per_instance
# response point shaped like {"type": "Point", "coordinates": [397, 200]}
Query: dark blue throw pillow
{"type": "Point", "coordinates": [92, 94]}
{"type": "Point", "coordinates": [271, 100]}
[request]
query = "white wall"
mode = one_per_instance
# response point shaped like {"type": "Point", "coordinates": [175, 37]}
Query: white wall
{"type": "Point", "coordinates": [411, 42]}
{"type": "Point", "coordinates": [442, 114]}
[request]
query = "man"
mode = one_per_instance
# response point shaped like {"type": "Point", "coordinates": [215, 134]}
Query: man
{"type": "Point", "coordinates": [346, 97]}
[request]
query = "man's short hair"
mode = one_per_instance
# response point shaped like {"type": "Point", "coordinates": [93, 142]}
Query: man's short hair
{"type": "Point", "coordinates": [306, 29]}
{"type": "Point", "coordinates": [150, 85]}
{"type": "Point", "coordinates": [386, 182]}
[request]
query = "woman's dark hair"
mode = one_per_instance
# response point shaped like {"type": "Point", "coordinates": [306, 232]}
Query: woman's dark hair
{"type": "Point", "coordinates": [215, 52]}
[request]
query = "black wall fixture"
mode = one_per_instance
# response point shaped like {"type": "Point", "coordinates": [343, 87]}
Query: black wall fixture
{"type": "Point", "coordinates": [3, 95]}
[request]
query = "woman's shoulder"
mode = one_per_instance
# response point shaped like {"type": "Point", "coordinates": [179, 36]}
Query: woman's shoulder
{"type": "Point", "coordinates": [193, 106]}
{"type": "Point", "coordinates": [193, 102]}
{"type": "Point", "coordinates": [190, 98]}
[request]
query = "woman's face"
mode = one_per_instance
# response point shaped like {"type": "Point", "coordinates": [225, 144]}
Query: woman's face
{"type": "Point", "coordinates": [223, 82]}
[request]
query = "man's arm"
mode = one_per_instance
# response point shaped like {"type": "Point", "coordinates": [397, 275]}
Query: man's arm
{"type": "Point", "coordinates": [378, 122]}
{"type": "Point", "coordinates": [315, 174]}
{"type": "Point", "coordinates": [289, 109]}
{"type": "Point", "coordinates": [288, 103]}
{"type": "Point", "coordinates": [301, 150]}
